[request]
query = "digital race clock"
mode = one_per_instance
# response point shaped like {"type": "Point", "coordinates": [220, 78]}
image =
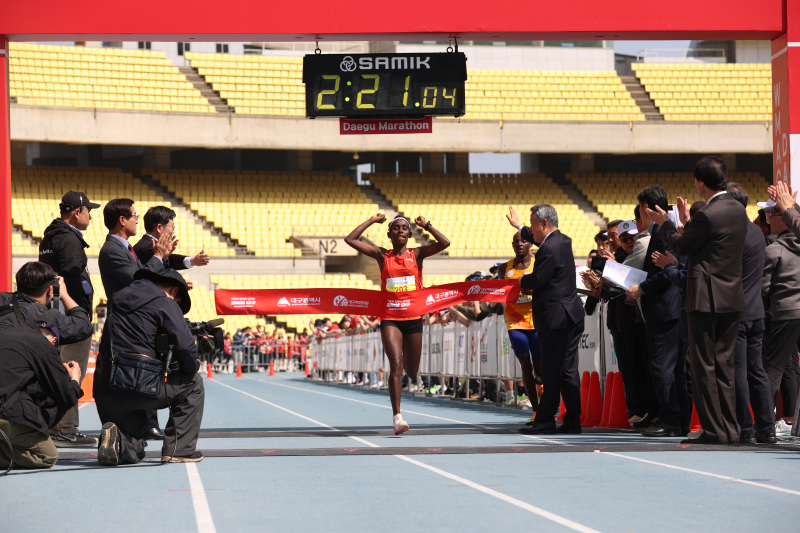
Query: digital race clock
{"type": "Point", "coordinates": [385, 85]}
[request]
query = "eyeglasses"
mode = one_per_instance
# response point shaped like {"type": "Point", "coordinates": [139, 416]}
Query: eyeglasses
{"type": "Point", "coordinates": [135, 215]}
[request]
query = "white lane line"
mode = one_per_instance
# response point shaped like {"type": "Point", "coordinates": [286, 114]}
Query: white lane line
{"type": "Point", "coordinates": [407, 411]}
{"type": "Point", "coordinates": [499, 495]}
{"type": "Point", "coordinates": [202, 513]}
{"type": "Point", "coordinates": [726, 478]}
{"type": "Point", "coordinates": [513, 501]}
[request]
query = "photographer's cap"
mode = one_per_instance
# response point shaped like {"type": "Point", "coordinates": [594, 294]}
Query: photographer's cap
{"type": "Point", "coordinates": [627, 226]}
{"type": "Point", "coordinates": [76, 200]}
{"type": "Point", "coordinates": [769, 206]}
{"type": "Point", "coordinates": [169, 275]}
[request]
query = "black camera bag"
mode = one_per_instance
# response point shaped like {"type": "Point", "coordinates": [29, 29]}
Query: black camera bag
{"type": "Point", "coordinates": [133, 373]}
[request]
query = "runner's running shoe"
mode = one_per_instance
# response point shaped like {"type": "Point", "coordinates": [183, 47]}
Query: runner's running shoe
{"type": "Point", "coordinates": [531, 419]}
{"type": "Point", "coordinates": [400, 425]}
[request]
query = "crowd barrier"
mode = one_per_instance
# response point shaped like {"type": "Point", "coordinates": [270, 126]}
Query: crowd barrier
{"type": "Point", "coordinates": [256, 356]}
{"type": "Point", "coordinates": [481, 351]}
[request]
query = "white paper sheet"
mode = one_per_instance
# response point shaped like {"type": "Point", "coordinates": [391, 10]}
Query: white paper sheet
{"type": "Point", "coordinates": [623, 276]}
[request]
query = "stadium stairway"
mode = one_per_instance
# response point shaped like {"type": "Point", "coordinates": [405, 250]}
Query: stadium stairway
{"type": "Point", "coordinates": [180, 207]}
{"type": "Point", "coordinates": [205, 89]}
{"type": "Point", "coordinates": [640, 96]}
{"type": "Point", "coordinates": [583, 203]}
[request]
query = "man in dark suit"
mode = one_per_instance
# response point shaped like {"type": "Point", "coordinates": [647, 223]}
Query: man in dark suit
{"type": "Point", "coordinates": [558, 315]}
{"type": "Point", "coordinates": [118, 261]}
{"type": "Point", "coordinates": [661, 309]}
{"type": "Point", "coordinates": [713, 240]}
{"type": "Point", "coordinates": [159, 223]}
{"type": "Point", "coordinates": [752, 384]}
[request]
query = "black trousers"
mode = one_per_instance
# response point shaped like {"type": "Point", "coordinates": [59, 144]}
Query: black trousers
{"type": "Point", "coordinates": [668, 371]}
{"type": "Point", "coordinates": [560, 376]}
{"type": "Point", "coordinates": [783, 340]}
{"type": "Point", "coordinates": [752, 384]}
{"type": "Point", "coordinates": [624, 364]}
{"type": "Point", "coordinates": [643, 396]}
{"type": "Point", "coordinates": [712, 340]}
{"type": "Point", "coordinates": [183, 393]}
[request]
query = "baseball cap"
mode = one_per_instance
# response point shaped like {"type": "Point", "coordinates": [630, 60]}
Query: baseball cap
{"type": "Point", "coordinates": [76, 200]}
{"type": "Point", "coordinates": [494, 268]}
{"type": "Point", "coordinates": [769, 206]}
{"type": "Point", "coordinates": [627, 226]}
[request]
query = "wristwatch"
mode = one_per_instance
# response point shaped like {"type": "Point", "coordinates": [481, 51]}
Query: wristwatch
{"type": "Point", "coordinates": [426, 225]}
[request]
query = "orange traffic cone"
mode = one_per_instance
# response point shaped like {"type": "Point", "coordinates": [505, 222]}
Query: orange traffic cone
{"type": "Point", "coordinates": [618, 416]}
{"type": "Point", "coordinates": [594, 409]}
{"type": "Point", "coordinates": [607, 399]}
{"type": "Point", "coordinates": [694, 425]}
{"type": "Point", "coordinates": [563, 410]}
{"type": "Point", "coordinates": [238, 370]}
{"type": "Point", "coordinates": [271, 368]}
{"type": "Point", "coordinates": [584, 395]}
{"type": "Point", "coordinates": [210, 374]}
{"type": "Point", "coordinates": [87, 385]}
{"type": "Point", "coordinates": [308, 369]}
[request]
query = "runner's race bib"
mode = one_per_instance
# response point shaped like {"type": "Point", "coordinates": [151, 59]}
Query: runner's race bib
{"type": "Point", "coordinates": [403, 284]}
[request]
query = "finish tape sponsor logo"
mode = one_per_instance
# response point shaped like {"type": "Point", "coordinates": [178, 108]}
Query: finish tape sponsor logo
{"type": "Point", "coordinates": [477, 289]}
{"type": "Point", "coordinates": [442, 297]}
{"type": "Point", "coordinates": [243, 302]}
{"type": "Point", "coordinates": [289, 302]}
{"type": "Point", "coordinates": [398, 304]}
{"type": "Point", "coordinates": [342, 301]}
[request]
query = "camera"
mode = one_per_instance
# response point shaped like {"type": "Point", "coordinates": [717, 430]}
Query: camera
{"type": "Point", "coordinates": [208, 338]}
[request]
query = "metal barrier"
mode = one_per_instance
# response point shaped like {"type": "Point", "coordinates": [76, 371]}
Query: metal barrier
{"type": "Point", "coordinates": [256, 355]}
{"type": "Point", "coordinates": [480, 352]}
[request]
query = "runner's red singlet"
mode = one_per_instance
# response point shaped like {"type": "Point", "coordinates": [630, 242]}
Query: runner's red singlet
{"type": "Point", "coordinates": [401, 274]}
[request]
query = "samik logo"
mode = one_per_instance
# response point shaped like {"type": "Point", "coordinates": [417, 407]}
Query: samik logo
{"type": "Point", "coordinates": [283, 302]}
{"type": "Point", "coordinates": [430, 300]}
{"type": "Point", "coordinates": [475, 289]}
{"type": "Point", "coordinates": [340, 300]}
{"type": "Point", "coordinates": [398, 304]}
{"type": "Point", "coordinates": [347, 64]}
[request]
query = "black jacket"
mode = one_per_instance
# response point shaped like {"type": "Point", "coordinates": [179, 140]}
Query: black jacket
{"type": "Point", "coordinates": [33, 366]}
{"type": "Point", "coordinates": [117, 267]}
{"type": "Point", "coordinates": [555, 293]}
{"type": "Point", "coordinates": [662, 300]}
{"type": "Point", "coordinates": [73, 327]}
{"type": "Point", "coordinates": [144, 251]}
{"type": "Point", "coordinates": [63, 249]}
{"type": "Point", "coordinates": [140, 313]}
{"type": "Point", "coordinates": [752, 270]}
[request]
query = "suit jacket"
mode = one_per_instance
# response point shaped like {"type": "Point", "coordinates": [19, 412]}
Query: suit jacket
{"type": "Point", "coordinates": [117, 266]}
{"type": "Point", "coordinates": [752, 270]}
{"type": "Point", "coordinates": [714, 241]}
{"type": "Point", "coordinates": [555, 294]}
{"type": "Point", "coordinates": [662, 300]}
{"type": "Point", "coordinates": [144, 251]}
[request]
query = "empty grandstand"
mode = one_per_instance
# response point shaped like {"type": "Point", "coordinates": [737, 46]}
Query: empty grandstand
{"type": "Point", "coordinates": [469, 208]}
{"type": "Point", "coordinates": [37, 191]}
{"type": "Point", "coordinates": [705, 92]}
{"type": "Point", "coordinates": [113, 78]}
{"type": "Point", "coordinates": [613, 194]}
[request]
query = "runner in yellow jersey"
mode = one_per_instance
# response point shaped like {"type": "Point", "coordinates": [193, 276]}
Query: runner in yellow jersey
{"type": "Point", "coordinates": [519, 318]}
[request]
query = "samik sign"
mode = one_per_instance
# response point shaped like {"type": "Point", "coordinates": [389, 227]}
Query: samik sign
{"type": "Point", "coordinates": [385, 85]}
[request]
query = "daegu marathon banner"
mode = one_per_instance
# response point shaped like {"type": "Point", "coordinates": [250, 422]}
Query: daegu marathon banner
{"type": "Point", "coordinates": [362, 301]}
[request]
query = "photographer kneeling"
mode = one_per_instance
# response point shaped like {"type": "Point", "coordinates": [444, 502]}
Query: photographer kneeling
{"type": "Point", "coordinates": [36, 389]}
{"type": "Point", "coordinates": [152, 306]}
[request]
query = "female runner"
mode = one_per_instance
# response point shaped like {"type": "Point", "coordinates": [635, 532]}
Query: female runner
{"type": "Point", "coordinates": [401, 270]}
{"type": "Point", "coordinates": [519, 318]}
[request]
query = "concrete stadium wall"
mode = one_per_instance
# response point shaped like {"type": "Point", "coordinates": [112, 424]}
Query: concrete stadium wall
{"type": "Point", "coordinates": [140, 128]}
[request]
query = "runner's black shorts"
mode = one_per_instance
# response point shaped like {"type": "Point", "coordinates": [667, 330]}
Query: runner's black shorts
{"type": "Point", "coordinates": [406, 327]}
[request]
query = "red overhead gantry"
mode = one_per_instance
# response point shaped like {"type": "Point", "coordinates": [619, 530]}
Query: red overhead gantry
{"type": "Point", "coordinates": [506, 20]}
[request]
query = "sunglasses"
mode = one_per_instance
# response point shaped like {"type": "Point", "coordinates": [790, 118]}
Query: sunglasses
{"type": "Point", "coordinates": [626, 238]}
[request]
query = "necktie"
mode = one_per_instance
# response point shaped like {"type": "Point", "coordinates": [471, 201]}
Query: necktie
{"type": "Point", "coordinates": [133, 254]}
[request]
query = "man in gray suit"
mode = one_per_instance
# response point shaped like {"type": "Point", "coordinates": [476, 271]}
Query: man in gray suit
{"type": "Point", "coordinates": [713, 240]}
{"type": "Point", "coordinates": [118, 261]}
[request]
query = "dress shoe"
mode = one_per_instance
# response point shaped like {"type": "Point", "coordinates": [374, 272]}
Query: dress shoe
{"type": "Point", "coordinates": [684, 431]}
{"type": "Point", "coordinates": [703, 438]}
{"type": "Point", "coordinates": [662, 431]}
{"type": "Point", "coordinates": [747, 439]}
{"type": "Point", "coordinates": [646, 422]}
{"type": "Point", "coordinates": [539, 429]}
{"type": "Point", "coordinates": [155, 434]}
{"type": "Point", "coordinates": [766, 438]}
{"type": "Point", "coordinates": [570, 427]}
